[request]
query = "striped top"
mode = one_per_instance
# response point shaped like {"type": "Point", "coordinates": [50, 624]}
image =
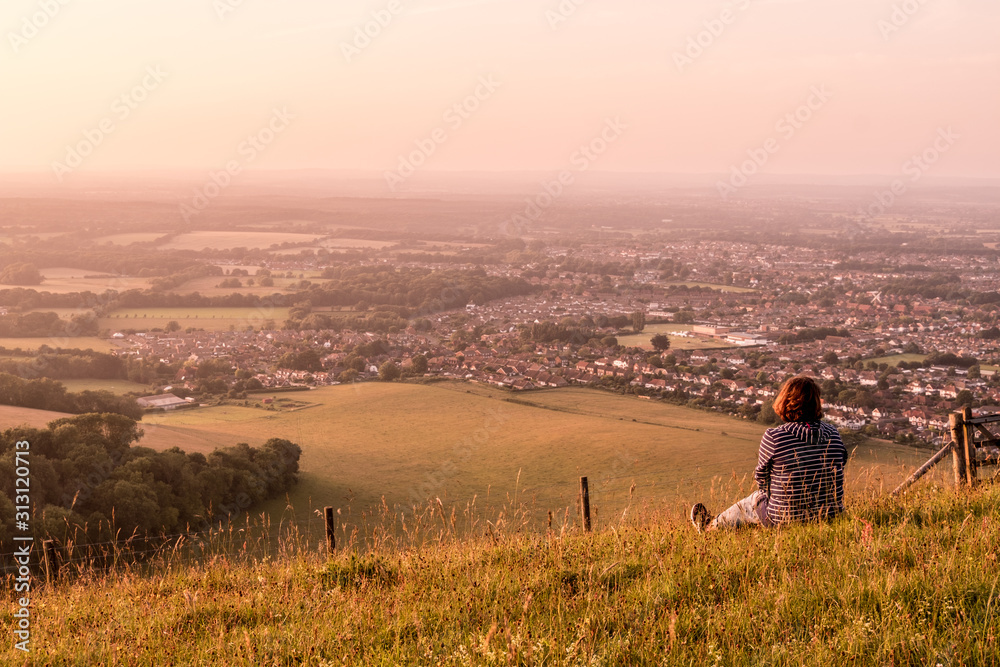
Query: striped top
{"type": "Point", "coordinates": [801, 469]}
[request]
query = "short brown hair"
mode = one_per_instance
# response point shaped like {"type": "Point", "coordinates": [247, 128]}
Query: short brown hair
{"type": "Point", "coordinates": [799, 400]}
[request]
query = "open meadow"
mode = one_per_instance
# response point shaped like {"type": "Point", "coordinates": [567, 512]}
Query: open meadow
{"type": "Point", "coordinates": [65, 280]}
{"type": "Point", "coordinates": [209, 286]}
{"type": "Point", "coordinates": [894, 359]}
{"type": "Point", "coordinates": [210, 319]}
{"type": "Point", "coordinates": [735, 289]}
{"type": "Point", "coordinates": [80, 343]}
{"type": "Point", "coordinates": [404, 443]}
{"type": "Point", "coordinates": [119, 387]}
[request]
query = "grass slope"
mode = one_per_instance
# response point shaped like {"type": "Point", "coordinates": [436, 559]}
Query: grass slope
{"type": "Point", "coordinates": [370, 442]}
{"type": "Point", "coordinates": [894, 582]}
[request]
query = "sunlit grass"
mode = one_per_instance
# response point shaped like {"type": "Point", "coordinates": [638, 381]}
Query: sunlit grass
{"type": "Point", "coordinates": [894, 582]}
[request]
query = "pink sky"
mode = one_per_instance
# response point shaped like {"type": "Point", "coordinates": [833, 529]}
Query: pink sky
{"type": "Point", "coordinates": [554, 81]}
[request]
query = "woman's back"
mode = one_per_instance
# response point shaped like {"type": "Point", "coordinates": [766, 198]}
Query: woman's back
{"type": "Point", "coordinates": [801, 468]}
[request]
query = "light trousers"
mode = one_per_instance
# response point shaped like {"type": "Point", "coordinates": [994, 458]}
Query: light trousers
{"type": "Point", "coordinates": [742, 513]}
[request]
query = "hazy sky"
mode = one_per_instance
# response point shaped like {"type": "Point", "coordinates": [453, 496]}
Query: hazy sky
{"type": "Point", "coordinates": [211, 73]}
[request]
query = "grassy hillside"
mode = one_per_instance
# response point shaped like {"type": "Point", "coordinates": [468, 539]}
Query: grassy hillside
{"type": "Point", "coordinates": [371, 443]}
{"type": "Point", "coordinates": [366, 443]}
{"type": "Point", "coordinates": [14, 416]}
{"type": "Point", "coordinates": [894, 582]}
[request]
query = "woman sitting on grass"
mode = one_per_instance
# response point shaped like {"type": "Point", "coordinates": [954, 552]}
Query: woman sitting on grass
{"type": "Point", "coordinates": [800, 468]}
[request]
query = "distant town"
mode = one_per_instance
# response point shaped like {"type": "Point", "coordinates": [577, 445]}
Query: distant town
{"type": "Point", "coordinates": [896, 344]}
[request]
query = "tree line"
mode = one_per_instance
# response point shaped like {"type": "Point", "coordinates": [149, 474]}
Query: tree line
{"type": "Point", "coordinates": [47, 325]}
{"type": "Point", "coordinates": [48, 394]}
{"type": "Point", "coordinates": [89, 479]}
{"type": "Point", "coordinates": [65, 364]}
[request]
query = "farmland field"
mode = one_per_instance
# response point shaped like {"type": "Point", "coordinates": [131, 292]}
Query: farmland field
{"type": "Point", "coordinates": [11, 416]}
{"type": "Point", "coordinates": [114, 386]}
{"type": "Point", "coordinates": [62, 280]}
{"type": "Point", "coordinates": [229, 240]}
{"type": "Point", "coordinates": [894, 359]}
{"type": "Point", "coordinates": [676, 342]}
{"type": "Point", "coordinates": [82, 343]}
{"type": "Point", "coordinates": [210, 319]}
{"type": "Point", "coordinates": [722, 288]}
{"type": "Point", "coordinates": [208, 286]}
{"type": "Point", "coordinates": [157, 436]}
{"type": "Point", "coordinates": [366, 442]}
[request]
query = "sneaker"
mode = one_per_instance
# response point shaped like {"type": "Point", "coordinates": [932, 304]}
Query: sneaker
{"type": "Point", "coordinates": [700, 517]}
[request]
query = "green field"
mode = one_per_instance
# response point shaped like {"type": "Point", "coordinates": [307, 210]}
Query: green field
{"type": "Point", "coordinates": [114, 386]}
{"type": "Point", "coordinates": [366, 442]}
{"type": "Point", "coordinates": [715, 286]}
{"type": "Point", "coordinates": [82, 343]}
{"type": "Point", "coordinates": [402, 442]}
{"type": "Point", "coordinates": [209, 286]}
{"type": "Point", "coordinates": [210, 319]}
{"type": "Point", "coordinates": [894, 359]}
{"type": "Point", "coordinates": [63, 280]}
{"type": "Point", "coordinates": [11, 416]}
{"type": "Point", "coordinates": [676, 342]}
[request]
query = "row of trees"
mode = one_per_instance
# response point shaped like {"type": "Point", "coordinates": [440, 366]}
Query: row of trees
{"type": "Point", "coordinates": [47, 394]}
{"type": "Point", "coordinates": [67, 364]}
{"type": "Point", "coordinates": [88, 478]}
{"type": "Point", "coordinates": [21, 273]}
{"type": "Point", "coordinates": [47, 325]}
{"type": "Point", "coordinates": [422, 291]}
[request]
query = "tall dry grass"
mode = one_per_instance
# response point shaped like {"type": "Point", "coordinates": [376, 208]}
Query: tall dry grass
{"type": "Point", "coordinates": [896, 581]}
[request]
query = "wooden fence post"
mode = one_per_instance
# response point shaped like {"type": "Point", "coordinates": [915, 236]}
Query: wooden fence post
{"type": "Point", "coordinates": [969, 452]}
{"type": "Point", "coordinates": [585, 503]}
{"type": "Point", "coordinates": [51, 560]}
{"type": "Point", "coordinates": [331, 538]}
{"type": "Point", "coordinates": [958, 451]}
